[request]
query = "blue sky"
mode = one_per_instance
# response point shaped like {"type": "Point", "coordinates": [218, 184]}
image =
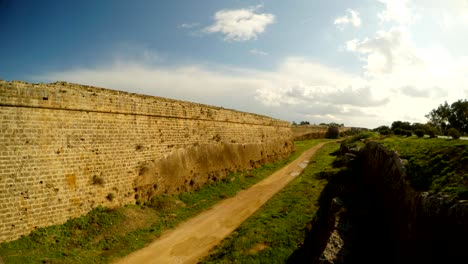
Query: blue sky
{"type": "Point", "coordinates": [362, 63]}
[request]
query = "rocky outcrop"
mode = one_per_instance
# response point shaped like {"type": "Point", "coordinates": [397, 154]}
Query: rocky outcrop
{"type": "Point", "coordinates": [369, 213]}
{"type": "Point", "coordinates": [426, 228]}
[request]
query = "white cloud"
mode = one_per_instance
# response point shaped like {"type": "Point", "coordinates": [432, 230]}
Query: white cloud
{"type": "Point", "coordinates": [297, 89]}
{"type": "Point", "coordinates": [386, 52]}
{"type": "Point", "coordinates": [352, 18]}
{"type": "Point", "coordinates": [258, 52]}
{"type": "Point", "coordinates": [449, 13]}
{"type": "Point", "coordinates": [396, 11]}
{"type": "Point", "coordinates": [188, 25]}
{"type": "Point", "coordinates": [401, 80]}
{"type": "Point", "coordinates": [240, 24]}
{"type": "Point", "coordinates": [412, 91]}
{"type": "Point", "coordinates": [415, 76]}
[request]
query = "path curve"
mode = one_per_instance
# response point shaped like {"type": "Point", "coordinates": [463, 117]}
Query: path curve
{"type": "Point", "coordinates": [193, 239]}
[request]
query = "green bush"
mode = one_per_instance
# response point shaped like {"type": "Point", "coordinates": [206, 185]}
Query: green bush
{"type": "Point", "coordinates": [432, 132]}
{"type": "Point", "coordinates": [386, 132]}
{"type": "Point", "coordinates": [397, 131]}
{"type": "Point", "coordinates": [405, 132]}
{"type": "Point", "coordinates": [419, 133]}
{"type": "Point", "coordinates": [454, 133]}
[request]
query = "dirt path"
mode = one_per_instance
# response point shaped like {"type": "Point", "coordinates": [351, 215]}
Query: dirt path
{"type": "Point", "coordinates": [193, 239]}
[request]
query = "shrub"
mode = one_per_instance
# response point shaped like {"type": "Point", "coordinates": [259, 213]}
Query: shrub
{"type": "Point", "coordinates": [332, 132]}
{"type": "Point", "coordinates": [397, 131]}
{"type": "Point", "coordinates": [419, 133]}
{"type": "Point", "coordinates": [454, 133]}
{"type": "Point", "coordinates": [432, 132]}
{"type": "Point", "coordinates": [408, 133]}
{"type": "Point", "coordinates": [386, 132]}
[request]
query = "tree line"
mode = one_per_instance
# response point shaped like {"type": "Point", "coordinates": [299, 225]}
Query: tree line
{"type": "Point", "coordinates": [448, 120]}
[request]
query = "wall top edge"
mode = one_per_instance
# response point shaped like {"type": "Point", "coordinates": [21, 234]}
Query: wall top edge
{"type": "Point", "coordinates": [71, 96]}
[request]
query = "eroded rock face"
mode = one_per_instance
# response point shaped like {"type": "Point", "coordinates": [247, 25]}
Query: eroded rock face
{"type": "Point", "coordinates": [380, 218]}
{"type": "Point", "coordinates": [187, 169]}
{"type": "Point", "coordinates": [338, 244]}
{"type": "Point", "coordinates": [426, 228]}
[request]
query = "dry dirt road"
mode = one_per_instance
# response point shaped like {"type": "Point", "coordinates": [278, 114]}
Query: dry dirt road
{"type": "Point", "coordinates": [193, 239]}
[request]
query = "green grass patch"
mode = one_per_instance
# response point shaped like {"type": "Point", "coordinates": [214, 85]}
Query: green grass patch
{"type": "Point", "coordinates": [434, 164]}
{"type": "Point", "coordinates": [104, 234]}
{"type": "Point", "coordinates": [358, 141]}
{"type": "Point", "coordinates": [277, 229]}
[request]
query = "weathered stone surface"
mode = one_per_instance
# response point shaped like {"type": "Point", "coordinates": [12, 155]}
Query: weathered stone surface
{"type": "Point", "coordinates": [425, 228]}
{"type": "Point", "coordinates": [65, 147]}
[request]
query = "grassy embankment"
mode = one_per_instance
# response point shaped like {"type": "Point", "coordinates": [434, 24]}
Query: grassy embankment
{"type": "Point", "coordinates": [277, 229]}
{"type": "Point", "coordinates": [106, 234]}
{"type": "Point", "coordinates": [434, 164]}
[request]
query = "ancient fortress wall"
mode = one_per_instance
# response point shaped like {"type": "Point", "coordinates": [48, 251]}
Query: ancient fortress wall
{"type": "Point", "coordinates": [312, 131]}
{"type": "Point", "coordinates": [67, 148]}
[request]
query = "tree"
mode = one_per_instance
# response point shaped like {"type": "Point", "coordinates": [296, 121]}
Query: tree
{"type": "Point", "coordinates": [303, 123]}
{"type": "Point", "coordinates": [416, 126]}
{"type": "Point", "coordinates": [432, 132]}
{"type": "Point", "coordinates": [454, 133]}
{"type": "Point", "coordinates": [398, 131]}
{"type": "Point", "coordinates": [401, 125]}
{"type": "Point", "coordinates": [458, 117]}
{"type": "Point", "coordinates": [439, 116]}
{"type": "Point", "coordinates": [419, 133]}
{"type": "Point", "coordinates": [336, 124]}
{"type": "Point", "coordinates": [450, 116]}
{"type": "Point", "coordinates": [383, 130]}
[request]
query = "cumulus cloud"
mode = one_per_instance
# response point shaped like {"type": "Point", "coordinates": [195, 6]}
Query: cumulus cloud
{"type": "Point", "coordinates": [352, 17]}
{"type": "Point", "coordinates": [336, 96]}
{"type": "Point", "coordinates": [396, 11]}
{"type": "Point", "coordinates": [240, 24]}
{"type": "Point", "coordinates": [258, 52]}
{"type": "Point", "coordinates": [400, 80]}
{"type": "Point", "coordinates": [414, 78]}
{"type": "Point", "coordinates": [447, 14]}
{"type": "Point", "coordinates": [298, 89]}
{"type": "Point", "coordinates": [386, 52]}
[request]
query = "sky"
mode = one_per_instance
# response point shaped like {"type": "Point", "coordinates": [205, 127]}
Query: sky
{"type": "Point", "coordinates": [364, 63]}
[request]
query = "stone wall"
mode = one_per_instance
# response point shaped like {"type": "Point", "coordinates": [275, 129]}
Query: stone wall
{"type": "Point", "coordinates": [67, 148]}
{"type": "Point", "coordinates": [306, 132]}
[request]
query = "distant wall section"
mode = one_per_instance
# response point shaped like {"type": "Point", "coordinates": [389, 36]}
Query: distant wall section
{"type": "Point", "coordinates": [306, 132]}
{"type": "Point", "coordinates": [67, 148]}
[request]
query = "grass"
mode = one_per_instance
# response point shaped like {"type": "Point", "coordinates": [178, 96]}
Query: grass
{"type": "Point", "coordinates": [104, 234]}
{"type": "Point", "coordinates": [358, 141]}
{"type": "Point", "coordinates": [276, 230]}
{"type": "Point", "coordinates": [434, 164]}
